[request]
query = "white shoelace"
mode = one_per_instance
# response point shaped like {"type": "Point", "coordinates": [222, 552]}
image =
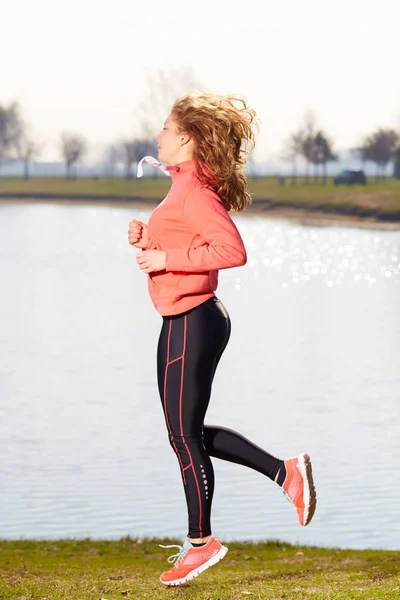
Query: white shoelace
{"type": "Point", "coordinates": [154, 163]}
{"type": "Point", "coordinates": [176, 557]}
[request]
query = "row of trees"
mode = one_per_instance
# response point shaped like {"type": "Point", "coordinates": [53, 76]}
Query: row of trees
{"type": "Point", "coordinates": [125, 154]}
{"type": "Point", "coordinates": [309, 143]}
{"type": "Point", "coordinates": [312, 145]}
{"type": "Point", "coordinates": [381, 148]}
{"type": "Point", "coordinates": [17, 140]}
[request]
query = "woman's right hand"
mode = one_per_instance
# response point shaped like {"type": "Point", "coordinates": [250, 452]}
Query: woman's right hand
{"type": "Point", "coordinates": [138, 234]}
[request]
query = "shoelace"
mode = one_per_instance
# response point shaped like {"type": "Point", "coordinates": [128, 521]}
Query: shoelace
{"type": "Point", "coordinates": [178, 556]}
{"type": "Point", "coordinates": [154, 163]}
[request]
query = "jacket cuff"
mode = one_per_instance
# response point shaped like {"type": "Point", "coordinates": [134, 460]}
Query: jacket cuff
{"type": "Point", "coordinates": [174, 260]}
{"type": "Point", "coordinates": [149, 243]}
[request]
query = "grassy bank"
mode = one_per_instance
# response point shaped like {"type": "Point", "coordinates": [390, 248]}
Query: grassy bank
{"type": "Point", "coordinates": [379, 201]}
{"type": "Point", "coordinates": [128, 568]}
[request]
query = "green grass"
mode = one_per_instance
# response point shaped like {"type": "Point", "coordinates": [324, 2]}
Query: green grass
{"type": "Point", "coordinates": [380, 200]}
{"type": "Point", "coordinates": [146, 188]}
{"type": "Point", "coordinates": [375, 200]}
{"type": "Point", "coordinates": [130, 568]}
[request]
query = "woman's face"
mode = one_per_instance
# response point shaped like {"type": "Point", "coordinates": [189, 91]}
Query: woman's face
{"type": "Point", "coordinates": [169, 142]}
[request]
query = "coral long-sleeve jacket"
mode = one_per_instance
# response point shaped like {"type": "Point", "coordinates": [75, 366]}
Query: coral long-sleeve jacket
{"type": "Point", "coordinates": [199, 237]}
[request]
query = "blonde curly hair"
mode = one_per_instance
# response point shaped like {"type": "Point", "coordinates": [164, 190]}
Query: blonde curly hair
{"type": "Point", "coordinates": [222, 128]}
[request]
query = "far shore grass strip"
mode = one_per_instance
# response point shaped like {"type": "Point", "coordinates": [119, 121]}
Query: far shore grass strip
{"type": "Point", "coordinates": [129, 568]}
{"type": "Point", "coordinates": [379, 200]}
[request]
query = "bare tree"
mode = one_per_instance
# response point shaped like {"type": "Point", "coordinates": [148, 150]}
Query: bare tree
{"type": "Point", "coordinates": [28, 149]}
{"type": "Point", "coordinates": [251, 165]}
{"type": "Point", "coordinates": [308, 133]}
{"type": "Point", "coordinates": [129, 156]}
{"type": "Point", "coordinates": [315, 147]}
{"type": "Point", "coordinates": [162, 90]}
{"type": "Point", "coordinates": [11, 130]}
{"type": "Point", "coordinates": [134, 150]}
{"type": "Point", "coordinates": [382, 146]}
{"type": "Point", "coordinates": [396, 167]}
{"type": "Point", "coordinates": [362, 153]}
{"type": "Point", "coordinates": [321, 154]}
{"type": "Point", "coordinates": [292, 151]}
{"type": "Point", "coordinates": [73, 148]}
{"type": "Point", "coordinates": [111, 159]}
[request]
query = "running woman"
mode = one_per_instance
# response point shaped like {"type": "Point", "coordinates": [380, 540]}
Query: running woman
{"type": "Point", "coordinates": [189, 237]}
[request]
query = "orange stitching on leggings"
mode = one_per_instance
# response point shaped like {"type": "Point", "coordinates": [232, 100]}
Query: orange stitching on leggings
{"type": "Point", "coordinates": [175, 359]}
{"type": "Point", "coordinates": [181, 425]}
{"type": "Point", "coordinates": [165, 402]}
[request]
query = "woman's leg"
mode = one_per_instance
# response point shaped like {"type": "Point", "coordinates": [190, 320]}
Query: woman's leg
{"type": "Point", "coordinates": [229, 445]}
{"type": "Point", "coordinates": [294, 475]}
{"type": "Point", "coordinates": [188, 349]}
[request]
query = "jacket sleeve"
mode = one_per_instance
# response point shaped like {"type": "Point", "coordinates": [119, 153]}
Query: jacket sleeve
{"type": "Point", "coordinates": [224, 247]}
{"type": "Point", "coordinates": [152, 245]}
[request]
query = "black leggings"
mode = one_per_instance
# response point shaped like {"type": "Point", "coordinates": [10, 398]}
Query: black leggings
{"type": "Point", "coordinates": [189, 349]}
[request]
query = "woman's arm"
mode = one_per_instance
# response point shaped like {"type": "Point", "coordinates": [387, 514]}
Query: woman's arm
{"type": "Point", "coordinates": [138, 236]}
{"type": "Point", "coordinates": [204, 211]}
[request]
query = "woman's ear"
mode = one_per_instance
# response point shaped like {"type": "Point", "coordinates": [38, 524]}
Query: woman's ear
{"type": "Point", "coordinates": [185, 138]}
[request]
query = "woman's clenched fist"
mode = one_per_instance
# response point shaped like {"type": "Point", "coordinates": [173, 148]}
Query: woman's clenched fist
{"type": "Point", "coordinates": [138, 234]}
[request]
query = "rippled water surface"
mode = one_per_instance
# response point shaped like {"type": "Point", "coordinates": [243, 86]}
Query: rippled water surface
{"type": "Point", "coordinates": [313, 364]}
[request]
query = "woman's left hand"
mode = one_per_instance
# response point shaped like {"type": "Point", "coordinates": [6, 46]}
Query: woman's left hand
{"type": "Point", "coordinates": [151, 260]}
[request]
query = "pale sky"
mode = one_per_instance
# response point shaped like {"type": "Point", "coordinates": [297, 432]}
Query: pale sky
{"type": "Point", "coordinates": [82, 65]}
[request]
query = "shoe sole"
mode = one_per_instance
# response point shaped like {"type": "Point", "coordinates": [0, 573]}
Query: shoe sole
{"type": "Point", "coordinates": [212, 561]}
{"type": "Point", "coordinates": [309, 493]}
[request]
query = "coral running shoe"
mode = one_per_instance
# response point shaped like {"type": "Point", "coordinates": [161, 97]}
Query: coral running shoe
{"type": "Point", "coordinates": [299, 487]}
{"type": "Point", "coordinates": [190, 561]}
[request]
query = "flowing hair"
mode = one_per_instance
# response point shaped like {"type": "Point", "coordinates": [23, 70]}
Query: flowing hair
{"type": "Point", "coordinates": [222, 130]}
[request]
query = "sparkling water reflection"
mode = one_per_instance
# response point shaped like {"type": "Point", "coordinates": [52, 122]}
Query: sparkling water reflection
{"type": "Point", "coordinates": [313, 364]}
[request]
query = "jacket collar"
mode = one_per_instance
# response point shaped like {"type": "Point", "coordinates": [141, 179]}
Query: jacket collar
{"type": "Point", "coordinates": [183, 167]}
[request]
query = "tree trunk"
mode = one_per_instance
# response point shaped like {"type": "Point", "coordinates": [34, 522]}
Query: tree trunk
{"type": "Point", "coordinates": [316, 178]}
{"type": "Point", "coordinates": [325, 174]}
{"type": "Point", "coordinates": [26, 168]}
{"type": "Point", "coordinates": [294, 173]}
{"type": "Point", "coordinates": [307, 179]}
{"type": "Point", "coordinates": [128, 174]}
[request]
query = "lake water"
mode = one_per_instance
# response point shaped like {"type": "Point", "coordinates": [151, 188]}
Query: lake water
{"type": "Point", "coordinates": [313, 364]}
